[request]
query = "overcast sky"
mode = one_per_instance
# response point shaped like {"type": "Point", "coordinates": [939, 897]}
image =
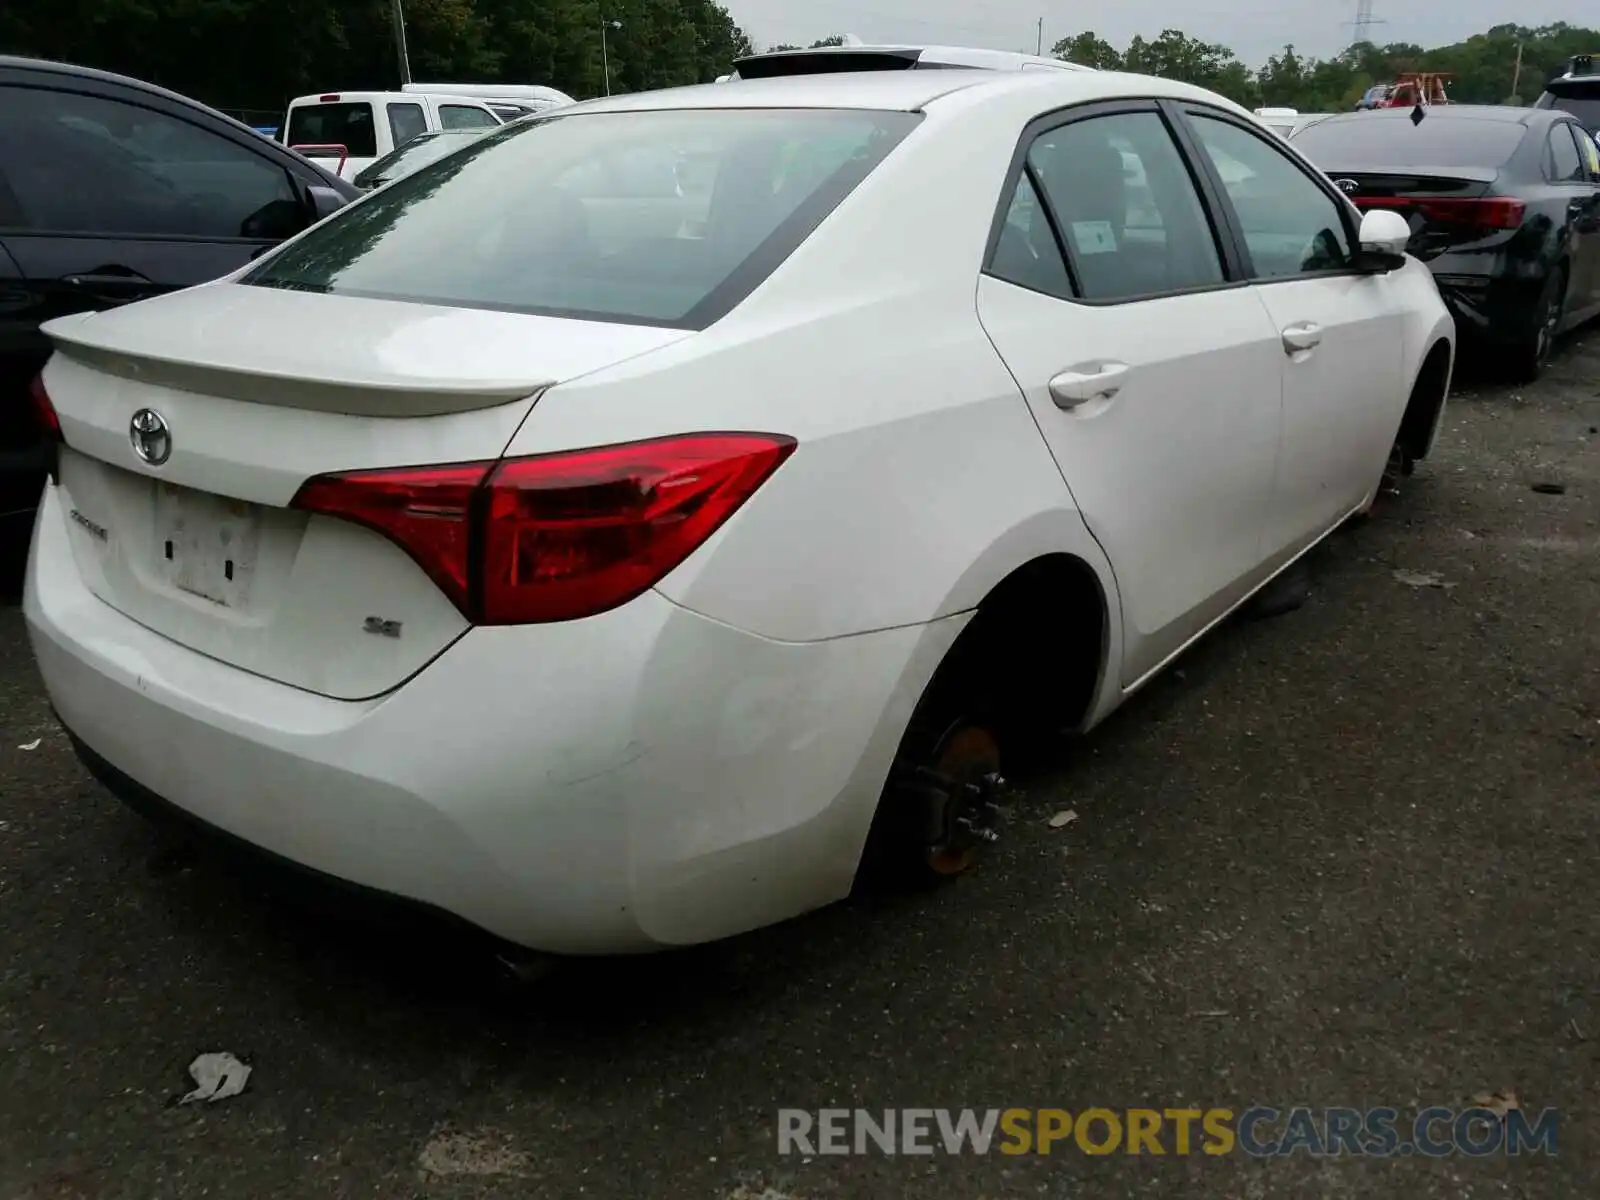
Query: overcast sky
{"type": "Point", "coordinates": [1252, 28]}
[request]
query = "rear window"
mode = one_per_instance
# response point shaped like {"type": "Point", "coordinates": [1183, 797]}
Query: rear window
{"type": "Point", "coordinates": [347, 124]}
{"type": "Point", "coordinates": [1581, 101]}
{"type": "Point", "coordinates": [823, 62]}
{"type": "Point", "coordinates": [658, 218]}
{"type": "Point", "coordinates": [1439, 141]}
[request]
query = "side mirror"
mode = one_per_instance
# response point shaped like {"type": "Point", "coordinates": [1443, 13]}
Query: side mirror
{"type": "Point", "coordinates": [324, 201]}
{"type": "Point", "coordinates": [1384, 237]}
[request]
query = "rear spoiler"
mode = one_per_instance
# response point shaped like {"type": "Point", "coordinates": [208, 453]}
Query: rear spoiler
{"type": "Point", "coordinates": [324, 150]}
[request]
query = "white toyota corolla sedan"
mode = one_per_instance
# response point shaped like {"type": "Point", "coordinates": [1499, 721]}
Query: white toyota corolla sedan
{"type": "Point", "coordinates": [617, 559]}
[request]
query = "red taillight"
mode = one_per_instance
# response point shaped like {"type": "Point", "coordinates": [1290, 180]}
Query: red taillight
{"type": "Point", "coordinates": [326, 97]}
{"type": "Point", "coordinates": [1487, 212]}
{"type": "Point", "coordinates": [44, 411]}
{"type": "Point", "coordinates": [556, 536]}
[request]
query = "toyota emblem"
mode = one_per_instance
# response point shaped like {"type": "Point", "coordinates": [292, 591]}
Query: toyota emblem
{"type": "Point", "coordinates": [152, 440]}
{"type": "Point", "coordinates": [1348, 186]}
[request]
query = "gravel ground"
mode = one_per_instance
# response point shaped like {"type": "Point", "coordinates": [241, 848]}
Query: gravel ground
{"type": "Point", "coordinates": [1340, 858]}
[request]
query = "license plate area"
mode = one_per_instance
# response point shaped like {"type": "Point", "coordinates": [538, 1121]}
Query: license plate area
{"type": "Point", "coordinates": [206, 545]}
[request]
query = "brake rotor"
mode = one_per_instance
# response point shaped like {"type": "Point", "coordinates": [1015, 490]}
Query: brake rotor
{"type": "Point", "coordinates": [967, 763]}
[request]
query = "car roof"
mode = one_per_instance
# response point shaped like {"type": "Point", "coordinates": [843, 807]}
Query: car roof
{"type": "Point", "coordinates": [903, 91]}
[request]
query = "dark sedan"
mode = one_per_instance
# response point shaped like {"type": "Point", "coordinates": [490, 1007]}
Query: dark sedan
{"type": "Point", "coordinates": [112, 190]}
{"type": "Point", "coordinates": [1504, 206]}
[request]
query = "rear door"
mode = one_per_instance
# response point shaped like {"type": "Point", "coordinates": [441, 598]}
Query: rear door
{"type": "Point", "coordinates": [1154, 376]}
{"type": "Point", "coordinates": [1338, 328]}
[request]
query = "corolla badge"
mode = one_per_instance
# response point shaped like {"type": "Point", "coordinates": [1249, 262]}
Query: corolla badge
{"type": "Point", "coordinates": [152, 440]}
{"type": "Point", "coordinates": [1348, 186]}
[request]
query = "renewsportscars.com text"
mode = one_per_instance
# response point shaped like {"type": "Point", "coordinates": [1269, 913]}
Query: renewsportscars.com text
{"type": "Point", "coordinates": [1260, 1131]}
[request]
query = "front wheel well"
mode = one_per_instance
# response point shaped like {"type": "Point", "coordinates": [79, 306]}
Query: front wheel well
{"type": "Point", "coordinates": [1427, 398]}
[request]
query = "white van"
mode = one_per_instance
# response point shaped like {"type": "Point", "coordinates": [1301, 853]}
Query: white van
{"type": "Point", "coordinates": [508, 100]}
{"type": "Point", "coordinates": [348, 131]}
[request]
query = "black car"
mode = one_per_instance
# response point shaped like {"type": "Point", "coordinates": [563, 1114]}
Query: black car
{"type": "Point", "coordinates": [1577, 91]}
{"type": "Point", "coordinates": [1504, 206]}
{"type": "Point", "coordinates": [112, 190]}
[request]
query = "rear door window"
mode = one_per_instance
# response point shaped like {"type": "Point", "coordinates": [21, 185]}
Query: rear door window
{"type": "Point", "coordinates": [1125, 207]}
{"type": "Point", "coordinates": [406, 121]}
{"type": "Point", "coordinates": [81, 164]}
{"type": "Point", "coordinates": [582, 215]}
{"type": "Point", "coordinates": [462, 116]}
{"type": "Point", "coordinates": [345, 123]}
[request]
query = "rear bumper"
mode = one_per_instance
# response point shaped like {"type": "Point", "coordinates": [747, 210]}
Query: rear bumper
{"type": "Point", "coordinates": [323, 892]}
{"type": "Point", "coordinates": [1497, 310]}
{"type": "Point", "coordinates": [636, 780]}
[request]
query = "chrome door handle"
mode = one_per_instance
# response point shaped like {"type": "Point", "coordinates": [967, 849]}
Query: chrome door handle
{"type": "Point", "coordinates": [1097, 381]}
{"type": "Point", "coordinates": [1307, 335]}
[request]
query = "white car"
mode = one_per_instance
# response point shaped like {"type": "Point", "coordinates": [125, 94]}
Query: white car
{"type": "Point", "coordinates": [601, 565]}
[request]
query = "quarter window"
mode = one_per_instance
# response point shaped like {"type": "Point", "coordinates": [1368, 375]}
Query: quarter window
{"type": "Point", "coordinates": [83, 164]}
{"type": "Point", "coordinates": [1125, 207]}
{"type": "Point", "coordinates": [1290, 225]}
{"type": "Point", "coordinates": [1027, 253]}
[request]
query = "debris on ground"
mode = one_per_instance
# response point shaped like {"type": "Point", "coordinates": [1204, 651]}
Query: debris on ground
{"type": "Point", "coordinates": [33, 745]}
{"type": "Point", "coordinates": [1550, 489]}
{"type": "Point", "coordinates": [486, 1152]}
{"type": "Point", "coordinates": [1421, 579]}
{"type": "Point", "coordinates": [1499, 1103]}
{"type": "Point", "coordinates": [217, 1077]}
{"type": "Point", "coordinates": [1063, 818]}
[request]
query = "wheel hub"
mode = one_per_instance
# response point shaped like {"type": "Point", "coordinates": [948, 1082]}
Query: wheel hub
{"type": "Point", "coordinates": [962, 795]}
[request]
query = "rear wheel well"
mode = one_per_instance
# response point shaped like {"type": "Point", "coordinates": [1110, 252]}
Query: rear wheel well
{"type": "Point", "coordinates": [1030, 659]}
{"type": "Point", "coordinates": [1025, 668]}
{"type": "Point", "coordinates": [1427, 398]}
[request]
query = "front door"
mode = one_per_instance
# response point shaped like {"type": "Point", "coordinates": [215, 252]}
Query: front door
{"type": "Point", "coordinates": [1343, 386]}
{"type": "Point", "coordinates": [1155, 379]}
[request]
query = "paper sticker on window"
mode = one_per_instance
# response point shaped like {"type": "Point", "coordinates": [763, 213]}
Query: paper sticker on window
{"type": "Point", "coordinates": [1094, 237]}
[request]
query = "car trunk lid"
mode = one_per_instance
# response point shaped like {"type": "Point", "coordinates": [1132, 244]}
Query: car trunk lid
{"type": "Point", "coordinates": [237, 395]}
{"type": "Point", "coordinates": [1446, 207]}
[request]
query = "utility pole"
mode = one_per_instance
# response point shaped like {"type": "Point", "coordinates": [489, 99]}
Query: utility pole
{"type": "Point", "coordinates": [605, 58]}
{"type": "Point", "coordinates": [400, 42]}
{"type": "Point", "coordinates": [1038, 46]}
{"type": "Point", "coordinates": [1516, 77]}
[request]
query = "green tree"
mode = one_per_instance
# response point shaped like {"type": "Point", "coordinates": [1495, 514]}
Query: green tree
{"type": "Point", "coordinates": [1088, 49]}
